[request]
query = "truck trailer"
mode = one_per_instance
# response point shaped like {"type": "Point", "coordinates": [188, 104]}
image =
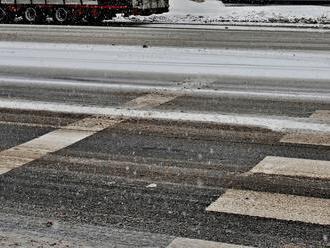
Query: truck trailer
{"type": "Point", "coordinates": [73, 11]}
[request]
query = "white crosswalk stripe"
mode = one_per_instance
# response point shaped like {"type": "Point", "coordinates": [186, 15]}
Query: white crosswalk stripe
{"type": "Point", "coordinates": [322, 139]}
{"type": "Point", "coordinates": [273, 205]}
{"type": "Point", "coordinates": [322, 115]}
{"type": "Point", "coordinates": [311, 138]}
{"type": "Point", "coordinates": [197, 243]}
{"type": "Point", "coordinates": [51, 142]}
{"type": "Point", "coordinates": [68, 135]}
{"type": "Point", "coordinates": [293, 167]}
{"type": "Point", "coordinates": [283, 206]}
{"type": "Point", "coordinates": [149, 101]}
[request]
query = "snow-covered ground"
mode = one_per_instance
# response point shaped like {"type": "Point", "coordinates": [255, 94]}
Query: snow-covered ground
{"type": "Point", "coordinates": [214, 11]}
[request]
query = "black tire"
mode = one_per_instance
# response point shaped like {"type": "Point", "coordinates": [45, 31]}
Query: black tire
{"type": "Point", "coordinates": [30, 15]}
{"type": "Point", "coordinates": [62, 16]}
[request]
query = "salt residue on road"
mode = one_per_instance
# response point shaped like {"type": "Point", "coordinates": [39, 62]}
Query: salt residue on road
{"type": "Point", "coordinates": [214, 11]}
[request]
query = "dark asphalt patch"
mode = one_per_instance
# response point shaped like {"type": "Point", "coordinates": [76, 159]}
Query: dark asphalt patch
{"type": "Point", "coordinates": [244, 106]}
{"type": "Point", "coordinates": [227, 150]}
{"type": "Point", "coordinates": [210, 156]}
{"type": "Point", "coordinates": [203, 177]}
{"type": "Point", "coordinates": [68, 96]}
{"type": "Point", "coordinates": [13, 135]}
{"type": "Point", "coordinates": [38, 118]}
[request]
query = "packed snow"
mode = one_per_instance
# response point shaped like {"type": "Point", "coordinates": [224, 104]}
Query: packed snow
{"type": "Point", "coordinates": [215, 12]}
{"type": "Point", "coordinates": [215, 63]}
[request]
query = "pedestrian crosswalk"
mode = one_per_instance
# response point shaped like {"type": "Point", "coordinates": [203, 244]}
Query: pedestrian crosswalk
{"type": "Point", "coordinates": [283, 206]}
{"type": "Point", "coordinates": [294, 207]}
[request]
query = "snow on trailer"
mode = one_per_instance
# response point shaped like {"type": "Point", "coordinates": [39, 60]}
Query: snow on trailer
{"type": "Point", "coordinates": [72, 11]}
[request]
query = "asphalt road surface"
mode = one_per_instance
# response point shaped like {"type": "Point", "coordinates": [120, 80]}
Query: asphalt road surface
{"type": "Point", "coordinates": [123, 158]}
{"type": "Point", "coordinates": [177, 36]}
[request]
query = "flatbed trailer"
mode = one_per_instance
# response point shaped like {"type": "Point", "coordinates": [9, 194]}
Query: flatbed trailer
{"type": "Point", "coordinates": [72, 11]}
{"type": "Point", "coordinates": [277, 2]}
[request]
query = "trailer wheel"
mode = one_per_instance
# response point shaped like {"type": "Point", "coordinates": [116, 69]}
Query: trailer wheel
{"type": "Point", "coordinates": [62, 16]}
{"type": "Point", "coordinates": [30, 15]}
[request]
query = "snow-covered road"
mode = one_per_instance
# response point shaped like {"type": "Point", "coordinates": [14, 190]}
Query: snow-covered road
{"type": "Point", "coordinates": [204, 63]}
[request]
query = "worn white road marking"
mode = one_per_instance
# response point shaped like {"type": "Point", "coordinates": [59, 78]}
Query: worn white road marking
{"type": "Point", "coordinates": [293, 167]}
{"type": "Point", "coordinates": [273, 205]}
{"type": "Point", "coordinates": [273, 123]}
{"type": "Point", "coordinates": [68, 135]}
{"type": "Point", "coordinates": [321, 139]}
{"type": "Point", "coordinates": [197, 243]}
{"type": "Point", "coordinates": [149, 100]}
{"type": "Point", "coordinates": [311, 138]}
{"type": "Point", "coordinates": [94, 124]}
{"type": "Point", "coordinates": [322, 115]}
{"type": "Point", "coordinates": [36, 148]}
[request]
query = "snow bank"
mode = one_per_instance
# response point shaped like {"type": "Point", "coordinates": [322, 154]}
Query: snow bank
{"type": "Point", "coordinates": [214, 11]}
{"type": "Point", "coordinates": [273, 123]}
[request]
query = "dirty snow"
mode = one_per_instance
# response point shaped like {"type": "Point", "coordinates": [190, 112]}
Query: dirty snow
{"type": "Point", "coordinates": [270, 122]}
{"type": "Point", "coordinates": [172, 88]}
{"type": "Point", "coordinates": [215, 12]}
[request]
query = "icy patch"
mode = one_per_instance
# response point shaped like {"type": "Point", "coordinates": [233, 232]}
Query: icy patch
{"type": "Point", "coordinates": [215, 12]}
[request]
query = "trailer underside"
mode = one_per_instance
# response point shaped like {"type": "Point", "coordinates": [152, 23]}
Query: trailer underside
{"type": "Point", "coordinates": [75, 11]}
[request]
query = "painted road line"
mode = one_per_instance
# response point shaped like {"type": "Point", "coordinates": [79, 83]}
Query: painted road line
{"type": "Point", "coordinates": [270, 122]}
{"type": "Point", "coordinates": [149, 101]}
{"type": "Point", "coordinates": [311, 138]}
{"type": "Point", "coordinates": [39, 147]}
{"type": "Point", "coordinates": [317, 138]}
{"type": "Point", "coordinates": [273, 205]}
{"type": "Point", "coordinates": [197, 243]}
{"type": "Point", "coordinates": [322, 115]}
{"type": "Point", "coordinates": [51, 142]}
{"type": "Point", "coordinates": [68, 135]}
{"type": "Point", "coordinates": [293, 167]}
{"type": "Point", "coordinates": [94, 124]}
